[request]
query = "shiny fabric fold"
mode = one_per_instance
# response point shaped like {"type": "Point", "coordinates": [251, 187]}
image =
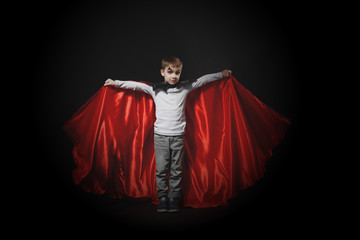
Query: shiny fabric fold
{"type": "Point", "coordinates": [229, 137]}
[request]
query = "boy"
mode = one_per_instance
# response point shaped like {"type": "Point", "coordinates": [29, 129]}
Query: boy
{"type": "Point", "coordinates": [169, 127]}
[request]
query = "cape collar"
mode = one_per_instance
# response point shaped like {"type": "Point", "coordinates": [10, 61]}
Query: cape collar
{"type": "Point", "coordinates": [164, 86]}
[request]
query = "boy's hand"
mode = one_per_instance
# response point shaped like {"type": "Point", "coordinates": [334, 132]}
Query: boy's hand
{"type": "Point", "coordinates": [109, 82]}
{"type": "Point", "coordinates": [226, 73]}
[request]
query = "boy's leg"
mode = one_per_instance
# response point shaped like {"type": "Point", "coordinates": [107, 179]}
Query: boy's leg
{"type": "Point", "coordinates": [177, 156]}
{"type": "Point", "coordinates": [162, 158]}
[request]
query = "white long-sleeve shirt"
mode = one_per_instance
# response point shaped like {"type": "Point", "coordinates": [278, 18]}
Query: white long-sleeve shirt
{"type": "Point", "coordinates": [170, 105]}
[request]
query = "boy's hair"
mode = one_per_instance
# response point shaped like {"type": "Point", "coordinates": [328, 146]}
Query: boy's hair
{"type": "Point", "coordinates": [171, 61]}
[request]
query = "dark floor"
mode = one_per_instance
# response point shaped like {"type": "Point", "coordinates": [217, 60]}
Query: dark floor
{"type": "Point", "coordinates": [264, 204]}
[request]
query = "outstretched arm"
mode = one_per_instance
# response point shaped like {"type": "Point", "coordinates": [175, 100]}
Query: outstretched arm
{"type": "Point", "coordinates": [138, 86]}
{"type": "Point", "coordinates": [210, 77]}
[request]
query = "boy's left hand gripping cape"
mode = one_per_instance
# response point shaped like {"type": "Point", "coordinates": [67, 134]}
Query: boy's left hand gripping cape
{"type": "Point", "coordinates": [229, 137]}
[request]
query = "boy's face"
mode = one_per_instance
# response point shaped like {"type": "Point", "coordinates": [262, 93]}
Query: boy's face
{"type": "Point", "coordinates": [171, 74]}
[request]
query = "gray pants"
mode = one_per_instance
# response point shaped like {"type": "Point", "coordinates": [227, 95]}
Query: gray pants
{"type": "Point", "coordinates": [169, 155]}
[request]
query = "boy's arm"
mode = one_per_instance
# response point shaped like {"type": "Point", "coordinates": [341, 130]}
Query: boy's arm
{"type": "Point", "coordinates": [210, 77]}
{"type": "Point", "coordinates": [137, 86]}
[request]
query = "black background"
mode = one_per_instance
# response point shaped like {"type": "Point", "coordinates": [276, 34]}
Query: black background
{"type": "Point", "coordinates": [68, 50]}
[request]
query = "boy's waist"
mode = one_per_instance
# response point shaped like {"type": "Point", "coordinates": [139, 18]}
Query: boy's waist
{"type": "Point", "coordinates": [162, 135]}
{"type": "Point", "coordinates": [169, 129]}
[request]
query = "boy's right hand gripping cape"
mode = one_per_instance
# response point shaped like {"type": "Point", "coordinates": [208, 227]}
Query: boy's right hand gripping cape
{"type": "Point", "coordinates": [229, 137]}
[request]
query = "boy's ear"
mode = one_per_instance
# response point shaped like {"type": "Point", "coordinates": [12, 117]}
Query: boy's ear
{"type": "Point", "coordinates": [162, 72]}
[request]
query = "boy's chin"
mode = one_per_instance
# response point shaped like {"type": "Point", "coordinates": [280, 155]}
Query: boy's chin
{"type": "Point", "coordinates": [172, 83]}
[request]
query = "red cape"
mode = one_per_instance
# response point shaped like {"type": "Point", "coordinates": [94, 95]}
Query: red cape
{"type": "Point", "coordinates": [229, 137]}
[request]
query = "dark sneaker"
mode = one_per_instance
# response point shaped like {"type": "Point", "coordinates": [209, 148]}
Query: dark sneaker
{"type": "Point", "coordinates": [174, 205]}
{"type": "Point", "coordinates": [163, 205]}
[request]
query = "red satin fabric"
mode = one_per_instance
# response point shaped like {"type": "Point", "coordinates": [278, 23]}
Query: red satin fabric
{"type": "Point", "coordinates": [229, 137]}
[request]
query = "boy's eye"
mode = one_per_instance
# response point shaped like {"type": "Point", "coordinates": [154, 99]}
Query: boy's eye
{"type": "Point", "coordinates": [177, 73]}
